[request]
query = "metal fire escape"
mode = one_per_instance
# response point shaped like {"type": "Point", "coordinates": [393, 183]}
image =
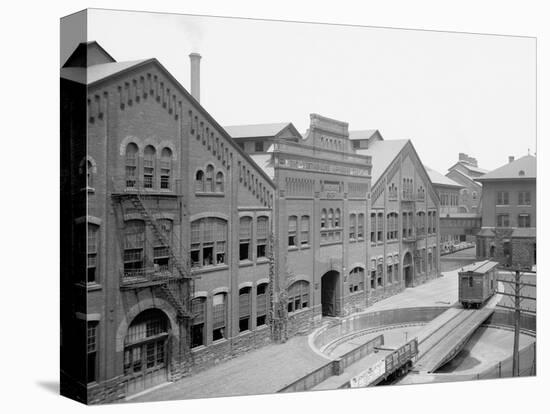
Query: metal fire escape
{"type": "Point", "coordinates": [174, 283]}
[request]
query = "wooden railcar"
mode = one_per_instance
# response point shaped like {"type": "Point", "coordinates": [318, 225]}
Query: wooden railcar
{"type": "Point", "coordinates": [477, 283]}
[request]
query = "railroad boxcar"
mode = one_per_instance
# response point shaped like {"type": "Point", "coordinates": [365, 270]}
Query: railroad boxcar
{"type": "Point", "coordinates": [477, 283]}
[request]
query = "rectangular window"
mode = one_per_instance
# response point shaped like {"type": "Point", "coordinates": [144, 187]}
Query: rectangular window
{"type": "Point", "coordinates": [380, 227]}
{"type": "Point", "coordinates": [373, 228]}
{"type": "Point", "coordinates": [244, 309]}
{"type": "Point", "coordinates": [360, 224]}
{"type": "Point", "coordinates": [352, 226]}
{"type": "Point", "coordinates": [390, 275]}
{"type": "Point", "coordinates": [245, 234]}
{"type": "Point", "coordinates": [258, 146]}
{"type": "Point", "coordinates": [502, 198]}
{"type": "Point", "coordinates": [292, 223]}
{"type": "Point", "coordinates": [92, 253]}
{"type": "Point", "coordinates": [92, 352]}
{"type": "Point", "coordinates": [524, 198]}
{"type": "Point", "coordinates": [503, 220]}
{"type": "Point", "coordinates": [261, 237]}
{"type": "Point", "coordinates": [524, 220]}
{"type": "Point", "coordinates": [304, 231]}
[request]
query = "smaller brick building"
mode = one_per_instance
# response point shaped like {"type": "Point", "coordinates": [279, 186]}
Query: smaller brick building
{"type": "Point", "coordinates": [465, 172]}
{"type": "Point", "coordinates": [508, 231]}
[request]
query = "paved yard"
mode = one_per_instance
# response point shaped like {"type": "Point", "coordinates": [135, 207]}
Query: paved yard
{"type": "Point", "coordinates": [268, 369]}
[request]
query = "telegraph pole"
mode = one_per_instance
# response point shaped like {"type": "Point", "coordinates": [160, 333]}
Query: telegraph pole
{"type": "Point", "coordinates": [517, 285]}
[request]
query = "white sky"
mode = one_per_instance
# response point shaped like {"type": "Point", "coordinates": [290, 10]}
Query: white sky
{"type": "Point", "coordinates": [447, 92]}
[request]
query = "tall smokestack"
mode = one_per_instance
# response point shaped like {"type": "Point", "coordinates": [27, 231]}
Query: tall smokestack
{"type": "Point", "coordinates": [195, 75]}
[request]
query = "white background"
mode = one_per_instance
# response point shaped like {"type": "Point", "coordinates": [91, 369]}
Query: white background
{"type": "Point", "coordinates": [30, 203]}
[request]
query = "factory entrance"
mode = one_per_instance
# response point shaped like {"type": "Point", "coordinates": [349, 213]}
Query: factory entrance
{"type": "Point", "coordinates": [145, 351]}
{"type": "Point", "coordinates": [330, 292]}
{"type": "Point", "coordinates": [408, 270]}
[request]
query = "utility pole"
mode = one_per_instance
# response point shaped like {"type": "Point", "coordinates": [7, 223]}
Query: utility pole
{"type": "Point", "coordinates": [517, 285]}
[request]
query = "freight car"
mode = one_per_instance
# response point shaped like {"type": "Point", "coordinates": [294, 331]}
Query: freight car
{"type": "Point", "coordinates": [477, 283]}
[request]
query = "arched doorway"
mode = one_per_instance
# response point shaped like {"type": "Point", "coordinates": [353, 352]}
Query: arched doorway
{"type": "Point", "coordinates": [330, 293]}
{"type": "Point", "coordinates": [146, 353]}
{"type": "Point", "coordinates": [408, 269]}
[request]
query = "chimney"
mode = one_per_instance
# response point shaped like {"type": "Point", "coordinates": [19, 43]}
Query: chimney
{"type": "Point", "coordinates": [510, 159]}
{"type": "Point", "coordinates": [195, 76]}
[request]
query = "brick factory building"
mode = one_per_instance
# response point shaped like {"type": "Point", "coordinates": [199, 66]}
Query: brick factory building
{"type": "Point", "coordinates": [508, 232]}
{"type": "Point", "coordinates": [456, 226]}
{"type": "Point", "coordinates": [177, 229]}
{"type": "Point", "coordinates": [403, 248]}
{"type": "Point", "coordinates": [192, 243]}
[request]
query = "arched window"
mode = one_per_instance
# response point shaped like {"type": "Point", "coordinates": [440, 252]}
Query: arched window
{"type": "Point", "coordinates": [219, 316]}
{"type": "Point", "coordinates": [199, 181]}
{"type": "Point", "coordinates": [165, 168]}
{"type": "Point", "coordinates": [145, 343]}
{"type": "Point", "coordinates": [244, 309]}
{"type": "Point", "coordinates": [198, 306]}
{"type": "Point", "coordinates": [474, 195]}
{"type": "Point", "coordinates": [380, 273]}
{"type": "Point", "coordinates": [131, 165]}
{"type": "Point", "coordinates": [149, 167]}
{"type": "Point", "coordinates": [337, 218]}
{"type": "Point", "coordinates": [261, 236]}
{"type": "Point", "coordinates": [219, 182]}
{"type": "Point", "coordinates": [380, 227]}
{"type": "Point", "coordinates": [261, 304]}
{"type": "Point", "coordinates": [292, 231]}
{"type": "Point", "coordinates": [298, 296]}
{"type": "Point", "coordinates": [245, 238]}
{"type": "Point", "coordinates": [323, 218]}
{"type": "Point", "coordinates": [134, 249]}
{"type": "Point", "coordinates": [89, 174]}
{"type": "Point", "coordinates": [208, 242]}
{"type": "Point", "coordinates": [92, 247]}
{"type": "Point", "coordinates": [330, 218]}
{"type": "Point", "coordinates": [356, 280]}
{"type": "Point", "coordinates": [209, 182]}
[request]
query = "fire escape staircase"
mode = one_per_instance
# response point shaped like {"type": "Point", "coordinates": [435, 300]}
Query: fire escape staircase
{"type": "Point", "coordinates": [169, 286]}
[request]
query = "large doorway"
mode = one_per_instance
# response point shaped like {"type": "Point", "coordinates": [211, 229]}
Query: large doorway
{"type": "Point", "coordinates": [408, 269]}
{"type": "Point", "coordinates": [330, 292]}
{"type": "Point", "coordinates": [145, 351]}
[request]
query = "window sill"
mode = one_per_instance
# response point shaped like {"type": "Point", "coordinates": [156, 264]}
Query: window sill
{"type": "Point", "coordinates": [245, 333]}
{"type": "Point", "coordinates": [292, 248]}
{"type": "Point", "coordinates": [331, 243]}
{"type": "Point", "coordinates": [359, 292]}
{"type": "Point", "coordinates": [219, 341]}
{"type": "Point", "coordinates": [298, 312]}
{"type": "Point", "coordinates": [262, 260]}
{"type": "Point", "coordinates": [206, 194]}
{"type": "Point", "coordinates": [207, 269]}
{"type": "Point", "coordinates": [246, 263]}
{"type": "Point", "coordinates": [305, 247]}
{"type": "Point", "coordinates": [199, 348]}
{"type": "Point", "coordinates": [93, 286]}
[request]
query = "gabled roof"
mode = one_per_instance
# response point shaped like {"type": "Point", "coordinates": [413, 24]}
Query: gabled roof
{"type": "Point", "coordinates": [469, 167]}
{"type": "Point", "coordinates": [95, 73]}
{"type": "Point", "coordinates": [363, 134]}
{"type": "Point", "coordinates": [465, 176]}
{"type": "Point", "coordinates": [439, 179]}
{"type": "Point", "coordinates": [259, 130]}
{"type": "Point", "coordinates": [265, 162]}
{"type": "Point", "coordinates": [382, 153]}
{"type": "Point", "coordinates": [87, 54]}
{"type": "Point", "coordinates": [512, 170]}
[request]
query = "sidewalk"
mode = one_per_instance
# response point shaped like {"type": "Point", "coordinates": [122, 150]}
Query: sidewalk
{"type": "Point", "coordinates": [268, 369]}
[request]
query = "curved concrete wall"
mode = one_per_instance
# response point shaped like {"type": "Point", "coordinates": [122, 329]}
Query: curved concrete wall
{"type": "Point", "coordinates": [363, 321]}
